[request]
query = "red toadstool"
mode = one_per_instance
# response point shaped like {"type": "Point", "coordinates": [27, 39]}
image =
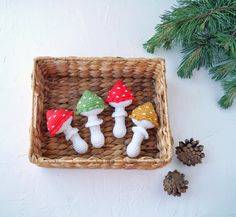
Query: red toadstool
{"type": "Point", "coordinates": [119, 97]}
{"type": "Point", "coordinates": [59, 121]}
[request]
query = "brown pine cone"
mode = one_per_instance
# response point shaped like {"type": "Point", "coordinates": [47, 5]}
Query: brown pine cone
{"type": "Point", "coordinates": [189, 152]}
{"type": "Point", "coordinates": [175, 184]}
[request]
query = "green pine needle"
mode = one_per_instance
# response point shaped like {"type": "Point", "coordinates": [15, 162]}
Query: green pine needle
{"type": "Point", "coordinates": [206, 30]}
{"type": "Point", "coordinates": [223, 70]}
{"type": "Point", "coordinates": [228, 43]}
{"type": "Point", "coordinates": [189, 63]}
{"type": "Point", "coordinates": [230, 92]}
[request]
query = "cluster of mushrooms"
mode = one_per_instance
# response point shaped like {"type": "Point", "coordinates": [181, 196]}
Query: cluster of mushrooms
{"type": "Point", "coordinates": [90, 105]}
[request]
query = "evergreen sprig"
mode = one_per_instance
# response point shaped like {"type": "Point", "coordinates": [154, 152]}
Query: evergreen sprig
{"type": "Point", "coordinates": [206, 30]}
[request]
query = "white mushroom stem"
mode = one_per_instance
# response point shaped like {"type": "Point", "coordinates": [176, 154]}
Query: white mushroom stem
{"type": "Point", "coordinates": [72, 134]}
{"type": "Point", "coordinates": [119, 130]}
{"type": "Point", "coordinates": [134, 148]}
{"type": "Point", "coordinates": [140, 133]}
{"type": "Point", "coordinates": [97, 137]}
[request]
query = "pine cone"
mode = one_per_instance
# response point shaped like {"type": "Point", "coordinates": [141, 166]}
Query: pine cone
{"type": "Point", "coordinates": [189, 152]}
{"type": "Point", "coordinates": [175, 184]}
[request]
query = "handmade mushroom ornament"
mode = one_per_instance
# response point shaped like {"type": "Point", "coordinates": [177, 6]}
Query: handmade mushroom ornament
{"type": "Point", "coordinates": [119, 97]}
{"type": "Point", "coordinates": [144, 117]}
{"type": "Point", "coordinates": [91, 105]}
{"type": "Point", "coordinates": [59, 121]}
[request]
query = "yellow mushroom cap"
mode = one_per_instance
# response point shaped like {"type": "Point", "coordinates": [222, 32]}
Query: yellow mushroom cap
{"type": "Point", "coordinates": [145, 112]}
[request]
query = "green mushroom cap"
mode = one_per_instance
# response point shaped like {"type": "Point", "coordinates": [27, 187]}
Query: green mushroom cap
{"type": "Point", "coordinates": [89, 101]}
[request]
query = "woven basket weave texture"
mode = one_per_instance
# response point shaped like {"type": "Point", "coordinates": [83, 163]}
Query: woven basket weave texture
{"type": "Point", "coordinates": [58, 83]}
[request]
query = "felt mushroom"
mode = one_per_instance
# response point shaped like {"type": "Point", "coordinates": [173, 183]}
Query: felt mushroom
{"type": "Point", "coordinates": [119, 97]}
{"type": "Point", "coordinates": [59, 121]}
{"type": "Point", "coordinates": [144, 117]}
{"type": "Point", "coordinates": [91, 105]}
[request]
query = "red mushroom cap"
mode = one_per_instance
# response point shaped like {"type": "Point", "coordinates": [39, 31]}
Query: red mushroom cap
{"type": "Point", "coordinates": [119, 93]}
{"type": "Point", "coordinates": [56, 118]}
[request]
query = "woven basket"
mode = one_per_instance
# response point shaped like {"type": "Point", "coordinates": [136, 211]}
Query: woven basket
{"type": "Point", "coordinates": [58, 84]}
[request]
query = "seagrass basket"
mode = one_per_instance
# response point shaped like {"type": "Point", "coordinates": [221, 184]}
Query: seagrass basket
{"type": "Point", "coordinates": [58, 83]}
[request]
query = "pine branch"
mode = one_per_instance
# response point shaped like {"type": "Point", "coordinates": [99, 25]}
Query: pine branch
{"type": "Point", "coordinates": [199, 54]}
{"type": "Point", "coordinates": [227, 42]}
{"type": "Point", "coordinates": [223, 70]}
{"type": "Point", "coordinates": [189, 63]}
{"type": "Point", "coordinates": [230, 93]}
{"type": "Point", "coordinates": [206, 30]}
{"type": "Point", "coordinates": [189, 18]}
{"type": "Point", "coordinates": [164, 37]}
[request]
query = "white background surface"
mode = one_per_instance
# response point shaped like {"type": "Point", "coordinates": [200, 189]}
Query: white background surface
{"type": "Point", "coordinates": [106, 28]}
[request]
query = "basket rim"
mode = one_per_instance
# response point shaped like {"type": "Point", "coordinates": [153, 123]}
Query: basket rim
{"type": "Point", "coordinates": [156, 163]}
{"type": "Point", "coordinates": [83, 160]}
{"type": "Point", "coordinates": [110, 58]}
